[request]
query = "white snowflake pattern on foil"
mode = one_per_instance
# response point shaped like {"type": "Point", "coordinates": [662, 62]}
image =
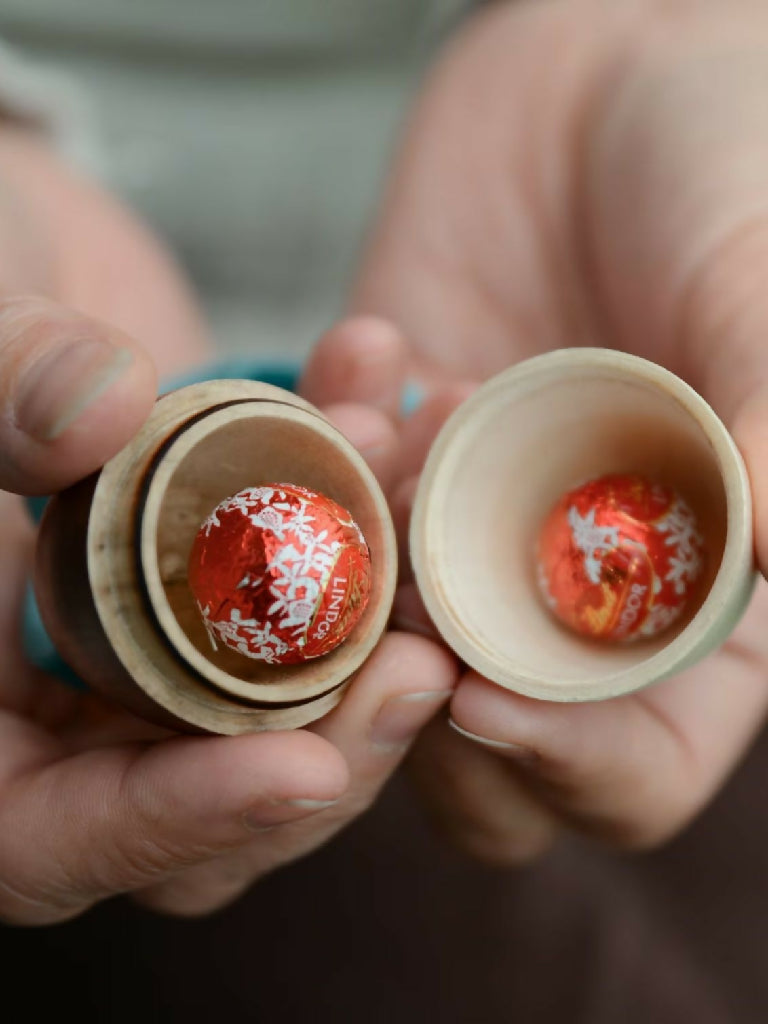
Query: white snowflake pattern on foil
{"type": "Point", "coordinates": [319, 553]}
{"type": "Point", "coordinates": [248, 636]}
{"type": "Point", "coordinates": [270, 518]}
{"type": "Point", "coordinates": [684, 568]}
{"type": "Point", "coordinates": [592, 540]}
{"type": "Point", "coordinates": [249, 581]}
{"type": "Point", "coordinates": [658, 619]}
{"type": "Point", "coordinates": [244, 502]}
{"type": "Point", "coordinates": [300, 521]}
{"type": "Point", "coordinates": [294, 589]}
{"type": "Point", "coordinates": [205, 613]}
{"type": "Point", "coordinates": [353, 526]}
{"type": "Point", "coordinates": [293, 586]}
{"type": "Point", "coordinates": [211, 522]}
{"type": "Point", "coordinates": [680, 526]}
{"type": "Point", "coordinates": [349, 522]}
{"type": "Point", "coordinates": [298, 614]}
{"type": "Point", "coordinates": [541, 577]}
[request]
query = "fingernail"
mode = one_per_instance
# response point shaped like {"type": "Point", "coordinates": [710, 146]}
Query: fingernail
{"type": "Point", "coordinates": [520, 751]}
{"type": "Point", "coordinates": [394, 726]}
{"type": "Point", "coordinates": [264, 817]}
{"type": "Point", "coordinates": [310, 805]}
{"type": "Point", "coordinates": [58, 388]}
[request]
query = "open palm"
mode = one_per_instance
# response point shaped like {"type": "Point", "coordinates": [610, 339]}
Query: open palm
{"type": "Point", "coordinates": [579, 173]}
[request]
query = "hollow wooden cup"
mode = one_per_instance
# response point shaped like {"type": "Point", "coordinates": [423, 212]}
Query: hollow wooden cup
{"type": "Point", "coordinates": [110, 573]}
{"type": "Point", "coordinates": [519, 443]}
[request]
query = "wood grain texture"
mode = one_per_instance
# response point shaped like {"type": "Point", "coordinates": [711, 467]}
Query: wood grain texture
{"type": "Point", "coordinates": [112, 554]}
{"type": "Point", "coordinates": [506, 455]}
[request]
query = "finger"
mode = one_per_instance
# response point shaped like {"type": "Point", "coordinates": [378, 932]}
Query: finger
{"type": "Point", "coordinates": [73, 392]}
{"type": "Point", "coordinates": [117, 819]}
{"type": "Point", "coordinates": [404, 683]}
{"type": "Point", "coordinates": [460, 255]}
{"type": "Point", "coordinates": [635, 769]}
{"type": "Point", "coordinates": [372, 433]}
{"type": "Point", "coordinates": [361, 360]}
{"type": "Point", "coordinates": [419, 431]}
{"type": "Point", "coordinates": [477, 801]}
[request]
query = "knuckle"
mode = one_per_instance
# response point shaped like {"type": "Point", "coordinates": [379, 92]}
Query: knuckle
{"type": "Point", "coordinates": [143, 846]}
{"type": "Point", "coordinates": [141, 858]}
{"type": "Point", "coordinates": [27, 902]}
{"type": "Point", "coordinates": [26, 323]}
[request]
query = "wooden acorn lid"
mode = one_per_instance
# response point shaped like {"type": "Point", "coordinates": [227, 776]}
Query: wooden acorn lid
{"type": "Point", "coordinates": [507, 454]}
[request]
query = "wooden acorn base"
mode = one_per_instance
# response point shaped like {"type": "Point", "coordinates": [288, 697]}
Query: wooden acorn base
{"type": "Point", "coordinates": [110, 575]}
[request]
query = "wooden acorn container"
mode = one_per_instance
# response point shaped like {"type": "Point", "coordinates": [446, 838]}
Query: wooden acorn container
{"type": "Point", "coordinates": [111, 566]}
{"type": "Point", "coordinates": [505, 457]}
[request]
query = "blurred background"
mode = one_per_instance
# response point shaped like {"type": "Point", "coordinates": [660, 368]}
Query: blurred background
{"type": "Point", "coordinates": [253, 134]}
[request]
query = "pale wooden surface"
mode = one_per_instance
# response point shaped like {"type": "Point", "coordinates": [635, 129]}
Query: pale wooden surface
{"type": "Point", "coordinates": [257, 443]}
{"type": "Point", "coordinates": [522, 440]}
{"type": "Point", "coordinates": [90, 580]}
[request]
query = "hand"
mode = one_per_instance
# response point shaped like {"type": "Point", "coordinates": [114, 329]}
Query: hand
{"type": "Point", "coordinates": [580, 172]}
{"type": "Point", "coordinates": [94, 802]}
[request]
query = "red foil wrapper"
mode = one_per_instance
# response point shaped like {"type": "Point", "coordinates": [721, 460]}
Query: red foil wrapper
{"type": "Point", "coordinates": [280, 573]}
{"type": "Point", "coordinates": [619, 557]}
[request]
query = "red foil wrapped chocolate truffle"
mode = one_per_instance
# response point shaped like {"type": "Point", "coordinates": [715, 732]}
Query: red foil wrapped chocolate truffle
{"type": "Point", "coordinates": [619, 557]}
{"type": "Point", "coordinates": [280, 573]}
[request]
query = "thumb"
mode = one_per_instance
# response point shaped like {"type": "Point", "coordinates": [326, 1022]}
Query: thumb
{"type": "Point", "coordinates": [73, 391]}
{"type": "Point", "coordinates": [118, 819]}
